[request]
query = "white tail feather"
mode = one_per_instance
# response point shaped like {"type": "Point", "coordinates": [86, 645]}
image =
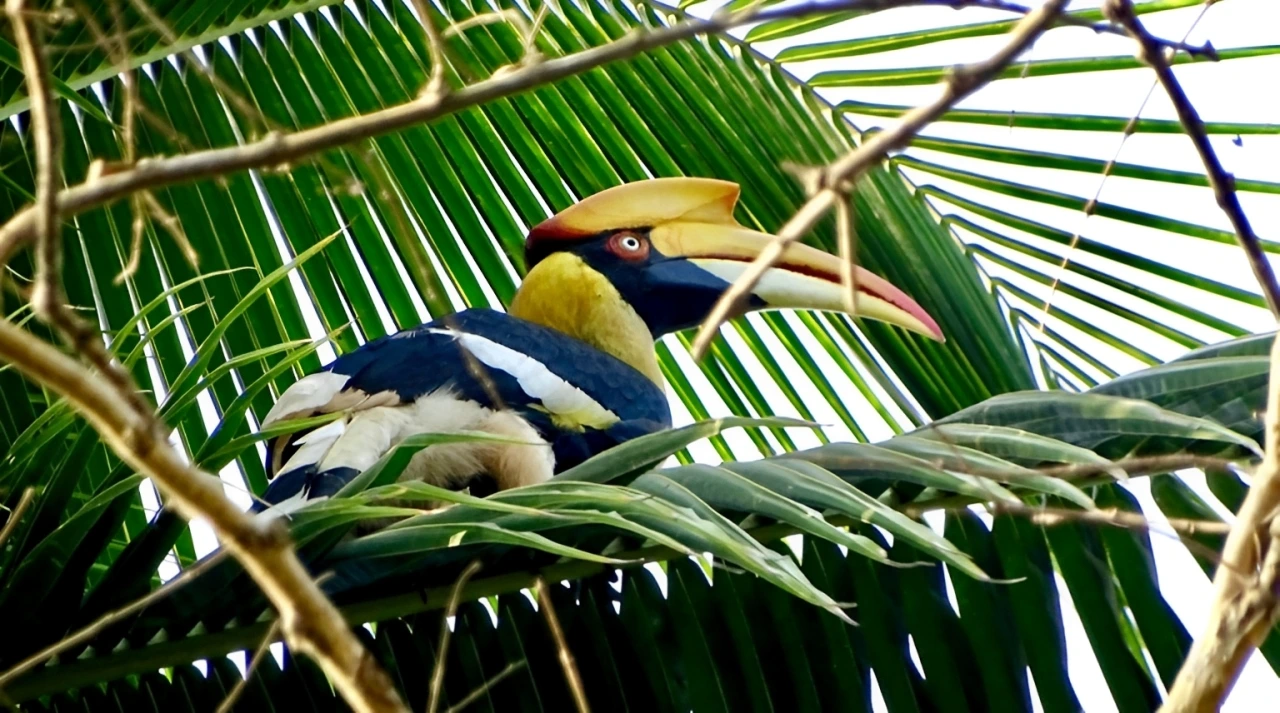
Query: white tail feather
{"type": "Point", "coordinates": [315, 445]}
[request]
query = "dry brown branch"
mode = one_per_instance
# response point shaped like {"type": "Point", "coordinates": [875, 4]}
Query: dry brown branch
{"type": "Point", "coordinates": [120, 54]}
{"type": "Point", "coordinates": [442, 651]}
{"type": "Point", "coordinates": [474, 696]}
{"type": "Point", "coordinates": [137, 228]}
{"type": "Point", "coordinates": [116, 46]}
{"type": "Point", "coordinates": [280, 148]}
{"type": "Point", "coordinates": [47, 297]}
{"type": "Point", "coordinates": [1139, 465]}
{"type": "Point", "coordinates": [10, 525]}
{"type": "Point", "coordinates": [310, 623]}
{"type": "Point", "coordinates": [571, 675]}
{"type": "Point", "coordinates": [46, 130]}
{"type": "Point", "coordinates": [1245, 604]}
{"type": "Point", "coordinates": [438, 84]}
{"type": "Point", "coordinates": [264, 649]}
{"type": "Point", "coordinates": [1151, 52]}
{"type": "Point", "coordinates": [171, 224]}
{"type": "Point", "coordinates": [91, 630]}
{"type": "Point", "coordinates": [960, 83]}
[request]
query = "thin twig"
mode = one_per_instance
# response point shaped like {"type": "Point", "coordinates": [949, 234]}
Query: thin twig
{"type": "Point", "coordinates": [1180, 529]}
{"type": "Point", "coordinates": [960, 83]}
{"type": "Point", "coordinates": [442, 651]}
{"type": "Point", "coordinates": [1105, 28]}
{"type": "Point", "coordinates": [847, 236]}
{"type": "Point", "coordinates": [119, 45]}
{"type": "Point", "coordinates": [227, 92]}
{"type": "Point", "coordinates": [571, 675]}
{"type": "Point", "coordinates": [1116, 517]}
{"type": "Point", "coordinates": [88, 632]}
{"type": "Point", "coordinates": [282, 147]}
{"type": "Point", "coordinates": [1223, 183]}
{"type": "Point", "coordinates": [474, 696]}
{"type": "Point", "coordinates": [1139, 465]}
{"type": "Point", "coordinates": [10, 525]}
{"type": "Point", "coordinates": [46, 130]}
{"type": "Point", "coordinates": [116, 46]}
{"type": "Point", "coordinates": [263, 650]}
{"type": "Point", "coordinates": [433, 599]}
{"type": "Point", "coordinates": [137, 228]}
{"type": "Point", "coordinates": [1245, 605]}
{"type": "Point", "coordinates": [438, 85]}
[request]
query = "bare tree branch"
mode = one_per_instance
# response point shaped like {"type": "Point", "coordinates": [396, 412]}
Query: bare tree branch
{"type": "Point", "coordinates": [15, 516]}
{"type": "Point", "coordinates": [1140, 465]}
{"type": "Point", "coordinates": [442, 650]}
{"type": "Point", "coordinates": [1245, 605]}
{"type": "Point", "coordinates": [438, 84]}
{"type": "Point", "coordinates": [264, 649]}
{"type": "Point", "coordinates": [46, 131]}
{"type": "Point", "coordinates": [1115, 517]}
{"type": "Point", "coordinates": [1151, 51]}
{"type": "Point", "coordinates": [962, 82]}
{"type": "Point", "coordinates": [311, 624]}
{"type": "Point", "coordinates": [278, 148]}
{"type": "Point", "coordinates": [571, 675]}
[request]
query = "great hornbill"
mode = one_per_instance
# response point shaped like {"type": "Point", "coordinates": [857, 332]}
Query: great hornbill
{"type": "Point", "coordinates": [570, 370]}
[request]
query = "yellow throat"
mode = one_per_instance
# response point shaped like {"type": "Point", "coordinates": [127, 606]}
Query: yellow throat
{"type": "Point", "coordinates": [564, 293]}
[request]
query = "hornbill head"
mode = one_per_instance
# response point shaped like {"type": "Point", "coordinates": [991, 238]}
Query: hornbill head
{"type": "Point", "coordinates": [671, 247]}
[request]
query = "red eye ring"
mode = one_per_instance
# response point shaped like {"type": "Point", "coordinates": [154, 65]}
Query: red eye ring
{"type": "Point", "coordinates": [628, 246]}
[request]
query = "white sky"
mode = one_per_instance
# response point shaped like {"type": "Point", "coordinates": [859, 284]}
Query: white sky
{"type": "Point", "coordinates": [1236, 91]}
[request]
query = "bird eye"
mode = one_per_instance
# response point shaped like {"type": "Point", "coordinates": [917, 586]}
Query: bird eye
{"type": "Point", "coordinates": [629, 246]}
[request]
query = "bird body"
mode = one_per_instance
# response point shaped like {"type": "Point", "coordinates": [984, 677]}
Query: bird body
{"type": "Point", "coordinates": [570, 371]}
{"type": "Point", "coordinates": [557, 398]}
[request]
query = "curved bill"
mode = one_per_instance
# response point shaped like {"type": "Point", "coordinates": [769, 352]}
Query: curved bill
{"type": "Point", "coordinates": [692, 218]}
{"type": "Point", "coordinates": [804, 277]}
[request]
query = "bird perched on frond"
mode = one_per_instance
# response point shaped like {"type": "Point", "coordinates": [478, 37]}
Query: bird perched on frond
{"type": "Point", "coordinates": [570, 370]}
